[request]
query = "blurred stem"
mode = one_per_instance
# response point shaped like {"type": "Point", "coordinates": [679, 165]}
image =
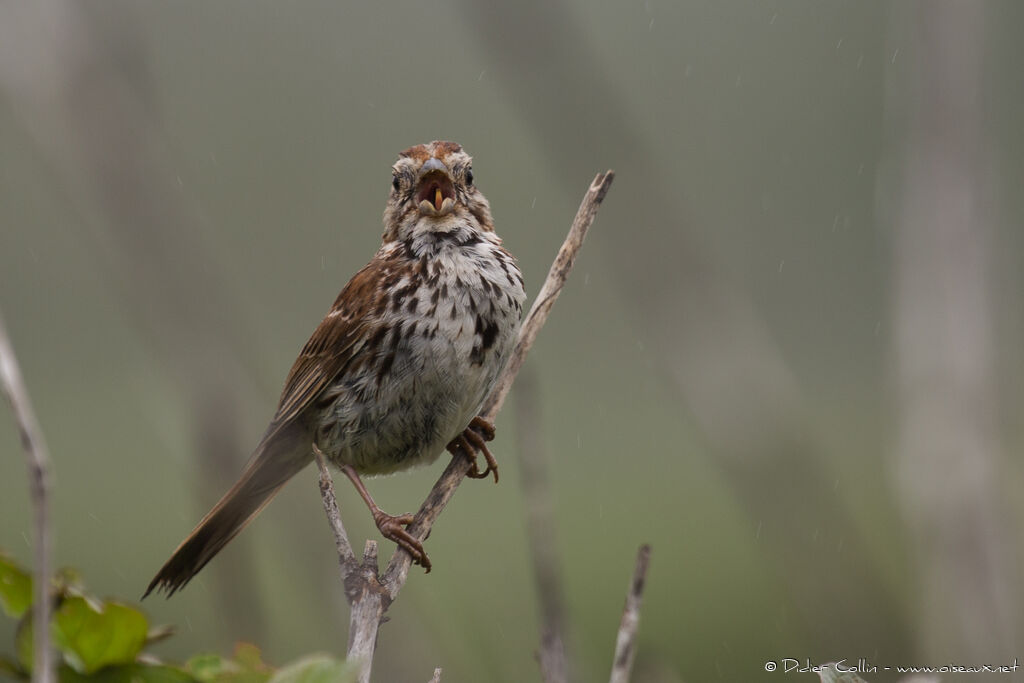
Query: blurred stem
{"type": "Point", "coordinates": [625, 642]}
{"type": "Point", "coordinates": [540, 531]}
{"type": "Point", "coordinates": [948, 457]}
{"type": "Point", "coordinates": [38, 457]}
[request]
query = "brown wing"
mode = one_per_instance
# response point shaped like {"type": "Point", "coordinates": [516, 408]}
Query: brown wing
{"type": "Point", "coordinates": [337, 343]}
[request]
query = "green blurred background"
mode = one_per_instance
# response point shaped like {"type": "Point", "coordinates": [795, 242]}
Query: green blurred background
{"type": "Point", "coordinates": [789, 356]}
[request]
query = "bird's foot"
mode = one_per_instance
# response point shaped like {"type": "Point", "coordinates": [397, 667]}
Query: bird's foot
{"type": "Point", "coordinates": [482, 427]}
{"type": "Point", "coordinates": [474, 440]}
{"type": "Point", "coordinates": [392, 527]}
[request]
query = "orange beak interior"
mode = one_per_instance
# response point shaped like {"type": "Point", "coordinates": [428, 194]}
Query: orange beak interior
{"type": "Point", "coordinates": [435, 188]}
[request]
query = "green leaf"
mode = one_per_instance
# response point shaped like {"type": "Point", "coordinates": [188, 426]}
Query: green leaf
{"type": "Point", "coordinates": [92, 636]}
{"type": "Point", "coordinates": [210, 667]}
{"type": "Point", "coordinates": [15, 588]}
{"type": "Point", "coordinates": [316, 669]}
{"type": "Point", "coordinates": [247, 666]}
{"type": "Point", "coordinates": [23, 642]}
{"type": "Point", "coordinates": [127, 673]}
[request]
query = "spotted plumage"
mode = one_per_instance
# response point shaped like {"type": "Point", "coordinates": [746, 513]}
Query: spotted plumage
{"type": "Point", "coordinates": [399, 367]}
{"type": "Point", "coordinates": [428, 366]}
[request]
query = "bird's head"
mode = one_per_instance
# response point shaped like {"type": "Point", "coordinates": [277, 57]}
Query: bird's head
{"type": "Point", "coordinates": [432, 191]}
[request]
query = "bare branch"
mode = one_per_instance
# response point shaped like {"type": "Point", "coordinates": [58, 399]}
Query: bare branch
{"type": "Point", "coordinates": [345, 555]}
{"type": "Point", "coordinates": [549, 292]}
{"type": "Point", "coordinates": [359, 578]}
{"type": "Point", "coordinates": [369, 593]}
{"type": "Point", "coordinates": [369, 602]}
{"type": "Point", "coordinates": [540, 518]}
{"type": "Point", "coordinates": [38, 457]}
{"type": "Point", "coordinates": [625, 643]}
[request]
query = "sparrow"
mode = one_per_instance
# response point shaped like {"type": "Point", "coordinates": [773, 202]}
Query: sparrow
{"type": "Point", "coordinates": [398, 369]}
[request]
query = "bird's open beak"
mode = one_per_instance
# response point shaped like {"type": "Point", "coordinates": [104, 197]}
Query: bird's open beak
{"type": "Point", "coordinates": [436, 193]}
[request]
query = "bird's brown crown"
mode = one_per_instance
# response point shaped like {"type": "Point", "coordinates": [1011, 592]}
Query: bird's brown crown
{"type": "Point", "coordinates": [437, 148]}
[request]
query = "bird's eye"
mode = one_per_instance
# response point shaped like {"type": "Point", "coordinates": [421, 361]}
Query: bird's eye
{"type": "Point", "coordinates": [395, 182]}
{"type": "Point", "coordinates": [469, 176]}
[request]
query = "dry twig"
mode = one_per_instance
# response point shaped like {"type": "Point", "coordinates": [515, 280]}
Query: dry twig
{"type": "Point", "coordinates": [625, 642]}
{"type": "Point", "coordinates": [370, 593]}
{"type": "Point", "coordinates": [345, 555]}
{"type": "Point", "coordinates": [39, 484]}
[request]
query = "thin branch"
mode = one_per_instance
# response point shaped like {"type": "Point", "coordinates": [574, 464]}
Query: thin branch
{"type": "Point", "coordinates": [625, 643]}
{"type": "Point", "coordinates": [359, 578]}
{"type": "Point", "coordinates": [38, 458]}
{"type": "Point", "coordinates": [549, 292]}
{"type": "Point", "coordinates": [345, 555]}
{"type": "Point", "coordinates": [540, 523]}
{"type": "Point", "coordinates": [369, 593]}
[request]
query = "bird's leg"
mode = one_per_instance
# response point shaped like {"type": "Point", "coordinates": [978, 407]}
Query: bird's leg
{"type": "Point", "coordinates": [392, 527]}
{"type": "Point", "coordinates": [474, 439]}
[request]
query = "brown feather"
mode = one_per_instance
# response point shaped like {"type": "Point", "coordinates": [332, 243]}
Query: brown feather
{"type": "Point", "coordinates": [334, 343]}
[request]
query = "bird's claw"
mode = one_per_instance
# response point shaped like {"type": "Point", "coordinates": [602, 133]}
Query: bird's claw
{"type": "Point", "coordinates": [474, 440]}
{"type": "Point", "coordinates": [392, 527]}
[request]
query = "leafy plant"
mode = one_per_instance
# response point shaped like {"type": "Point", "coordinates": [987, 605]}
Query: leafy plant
{"type": "Point", "coordinates": [104, 641]}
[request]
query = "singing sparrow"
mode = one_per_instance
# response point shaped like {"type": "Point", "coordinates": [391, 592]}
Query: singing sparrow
{"type": "Point", "coordinates": [399, 367]}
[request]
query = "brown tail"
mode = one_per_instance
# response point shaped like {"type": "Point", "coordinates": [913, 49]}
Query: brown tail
{"type": "Point", "coordinates": [275, 461]}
